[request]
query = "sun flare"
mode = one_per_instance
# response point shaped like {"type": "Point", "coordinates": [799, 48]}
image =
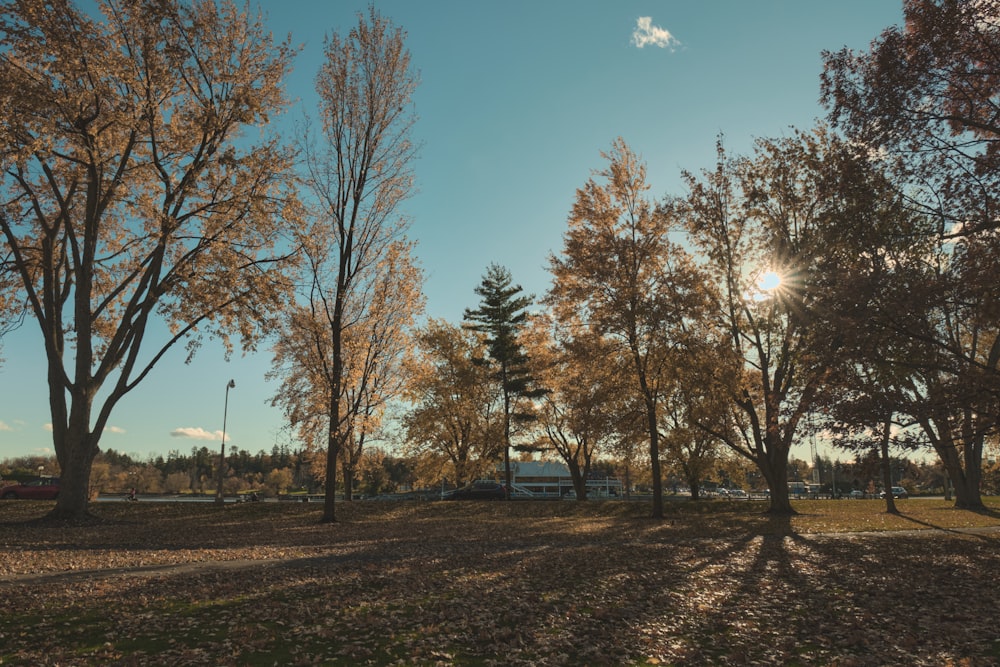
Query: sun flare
{"type": "Point", "coordinates": [769, 281]}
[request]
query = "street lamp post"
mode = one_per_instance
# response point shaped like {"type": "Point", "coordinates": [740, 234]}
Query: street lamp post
{"type": "Point", "coordinates": [222, 455]}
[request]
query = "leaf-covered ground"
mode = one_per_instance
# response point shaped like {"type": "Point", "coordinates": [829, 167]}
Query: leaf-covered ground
{"type": "Point", "coordinates": [501, 583]}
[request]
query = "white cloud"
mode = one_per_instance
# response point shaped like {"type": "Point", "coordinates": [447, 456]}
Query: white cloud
{"type": "Point", "coordinates": [47, 427]}
{"type": "Point", "coordinates": [115, 429]}
{"type": "Point", "coordinates": [646, 33]}
{"type": "Point", "coordinates": [196, 433]}
{"type": "Point", "coordinates": [5, 427]}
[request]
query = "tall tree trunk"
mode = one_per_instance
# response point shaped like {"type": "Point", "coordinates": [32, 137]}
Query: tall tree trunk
{"type": "Point", "coordinates": [964, 482]}
{"type": "Point", "coordinates": [338, 435]}
{"type": "Point", "coordinates": [779, 502]}
{"type": "Point", "coordinates": [76, 447]}
{"type": "Point", "coordinates": [770, 454]}
{"type": "Point", "coordinates": [76, 458]}
{"type": "Point", "coordinates": [963, 466]}
{"type": "Point", "coordinates": [461, 463]}
{"type": "Point", "coordinates": [506, 436]}
{"type": "Point", "coordinates": [349, 471]}
{"type": "Point", "coordinates": [579, 479]}
{"type": "Point", "coordinates": [774, 467]}
{"type": "Point", "coordinates": [332, 453]}
{"type": "Point", "coordinates": [890, 502]}
{"type": "Point", "coordinates": [654, 457]}
{"type": "Point", "coordinates": [971, 497]}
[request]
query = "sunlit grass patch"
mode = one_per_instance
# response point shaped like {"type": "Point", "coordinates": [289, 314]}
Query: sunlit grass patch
{"type": "Point", "coordinates": [820, 516]}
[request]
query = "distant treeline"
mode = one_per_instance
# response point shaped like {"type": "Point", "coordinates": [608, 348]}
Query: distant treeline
{"type": "Point", "coordinates": [282, 470]}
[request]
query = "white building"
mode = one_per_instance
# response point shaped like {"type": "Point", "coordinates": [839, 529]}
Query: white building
{"type": "Point", "coordinates": [548, 479]}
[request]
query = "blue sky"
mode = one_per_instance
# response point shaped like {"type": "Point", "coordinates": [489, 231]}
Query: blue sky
{"type": "Point", "coordinates": [517, 100]}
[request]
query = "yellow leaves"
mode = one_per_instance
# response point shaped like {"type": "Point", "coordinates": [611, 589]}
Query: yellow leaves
{"type": "Point", "coordinates": [617, 256]}
{"type": "Point", "coordinates": [344, 349]}
{"type": "Point", "coordinates": [120, 105]}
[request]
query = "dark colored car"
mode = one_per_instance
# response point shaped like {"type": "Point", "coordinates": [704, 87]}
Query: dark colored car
{"type": "Point", "coordinates": [44, 488]}
{"type": "Point", "coordinates": [477, 491]}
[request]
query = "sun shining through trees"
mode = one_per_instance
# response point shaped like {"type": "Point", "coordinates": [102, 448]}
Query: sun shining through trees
{"type": "Point", "coordinates": [769, 281]}
{"type": "Point", "coordinates": [764, 286]}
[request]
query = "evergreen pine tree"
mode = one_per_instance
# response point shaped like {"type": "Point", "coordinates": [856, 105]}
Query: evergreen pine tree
{"type": "Point", "coordinates": [501, 315]}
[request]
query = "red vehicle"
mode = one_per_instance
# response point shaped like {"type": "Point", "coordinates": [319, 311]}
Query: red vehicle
{"type": "Point", "coordinates": [44, 488]}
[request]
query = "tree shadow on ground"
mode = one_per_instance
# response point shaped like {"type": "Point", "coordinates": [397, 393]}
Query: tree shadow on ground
{"type": "Point", "coordinates": [527, 585]}
{"type": "Point", "coordinates": [977, 532]}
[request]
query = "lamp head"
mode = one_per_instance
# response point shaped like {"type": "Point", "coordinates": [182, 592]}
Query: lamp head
{"type": "Point", "coordinates": [232, 384]}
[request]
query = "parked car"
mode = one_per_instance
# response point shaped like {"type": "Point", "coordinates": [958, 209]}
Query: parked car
{"type": "Point", "coordinates": [897, 492]}
{"type": "Point", "coordinates": [44, 488]}
{"type": "Point", "coordinates": [856, 494]}
{"type": "Point", "coordinates": [481, 490]}
{"type": "Point", "coordinates": [738, 494]}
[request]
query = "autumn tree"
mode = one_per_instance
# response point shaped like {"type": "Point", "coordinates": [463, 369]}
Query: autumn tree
{"type": "Point", "coordinates": [454, 408]}
{"type": "Point", "coordinates": [878, 391]}
{"type": "Point", "coordinates": [379, 472]}
{"type": "Point", "coordinates": [860, 413]}
{"type": "Point", "coordinates": [757, 220]}
{"type": "Point", "coordinates": [620, 274]}
{"type": "Point", "coordinates": [378, 345]}
{"type": "Point", "coordinates": [134, 195]}
{"type": "Point", "coordinates": [580, 413]}
{"type": "Point", "coordinates": [278, 481]}
{"type": "Point", "coordinates": [357, 173]}
{"type": "Point", "coordinates": [697, 417]}
{"type": "Point", "coordinates": [299, 369]}
{"type": "Point", "coordinates": [944, 357]}
{"type": "Point", "coordinates": [922, 99]}
{"type": "Point", "coordinates": [501, 316]}
{"type": "Point", "coordinates": [870, 252]}
{"type": "Point", "coordinates": [693, 452]}
{"type": "Point", "coordinates": [375, 346]}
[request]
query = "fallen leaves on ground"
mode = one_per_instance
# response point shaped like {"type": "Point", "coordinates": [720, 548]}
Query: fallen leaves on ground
{"type": "Point", "coordinates": [498, 583]}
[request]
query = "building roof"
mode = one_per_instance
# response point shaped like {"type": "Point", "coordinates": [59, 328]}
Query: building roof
{"type": "Point", "coordinates": [539, 469]}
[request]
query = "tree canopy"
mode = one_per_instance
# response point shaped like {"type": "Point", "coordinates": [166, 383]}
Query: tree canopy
{"type": "Point", "coordinates": [922, 100]}
{"type": "Point", "coordinates": [363, 287]}
{"type": "Point", "coordinates": [134, 195]}
{"type": "Point", "coordinates": [620, 274]}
